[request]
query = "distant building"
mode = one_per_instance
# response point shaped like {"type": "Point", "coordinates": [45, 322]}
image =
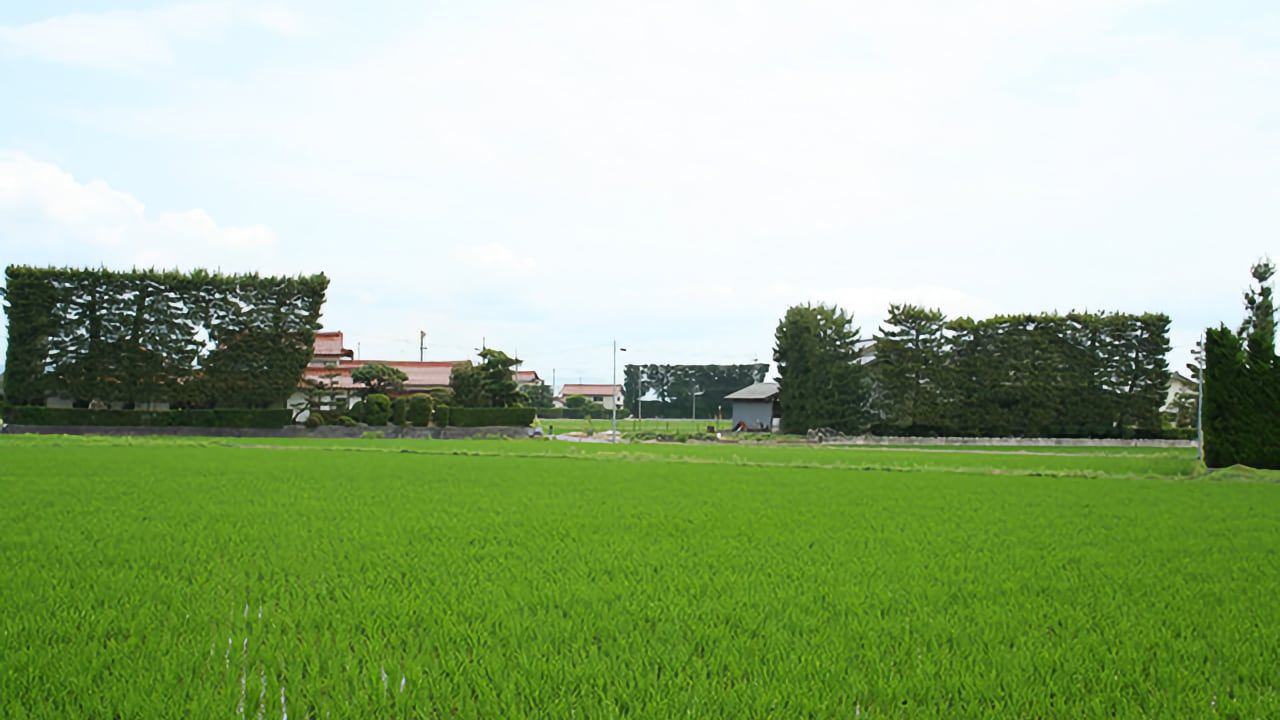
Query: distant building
{"type": "Point", "coordinates": [756, 406]}
{"type": "Point", "coordinates": [1179, 384]}
{"type": "Point", "coordinates": [328, 350]}
{"type": "Point", "coordinates": [610, 396]}
{"type": "Point", "coordinates": [525, 378]}
{"type": "Point", "coordinates": [331, 365]}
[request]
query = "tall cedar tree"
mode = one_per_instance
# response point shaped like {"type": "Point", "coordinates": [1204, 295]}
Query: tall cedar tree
{"type": "Point", "coordinates": [1259, 327]}
{"type": "Point", "coordinates": [1242, 384]}
{"type": "Point", "coordinates": [821, 379]}
{"type": "Point", "coordinates": [910, 353]}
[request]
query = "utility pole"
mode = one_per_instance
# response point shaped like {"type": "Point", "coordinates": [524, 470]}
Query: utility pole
{"type": "Point", "coordinates": [1200, 401]}
{"type": "Point", "coordinates": [422, 344]}
{"type": "Point", "coordinates": [613, 393]}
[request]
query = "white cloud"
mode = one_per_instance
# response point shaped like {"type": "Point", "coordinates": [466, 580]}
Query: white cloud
{"type": "Point", "coordinates": [132, 39]}
{"type": "Point", "coordinates": [699, 166]}
{"type": "Point", "coordinates": [46, 212]}
{"type": "Point", "coordinates": [494, 258]}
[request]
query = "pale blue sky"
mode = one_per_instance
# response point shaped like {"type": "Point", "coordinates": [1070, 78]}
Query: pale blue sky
{"type": "Point", "coordinates": [549, 176]}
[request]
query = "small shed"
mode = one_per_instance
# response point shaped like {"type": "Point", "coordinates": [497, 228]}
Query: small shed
{"type": "Point", "coordinates": [755, 406]}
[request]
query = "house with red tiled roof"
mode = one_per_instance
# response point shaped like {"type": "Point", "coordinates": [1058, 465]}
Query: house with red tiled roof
{"type": "Point", "coordinates": [607, 395]}
{"type": "Point", "coordinates": [329, 351]}
{"type": "Point", "coordinates": [528, 377]}
{"type": "Point", "coordinates": [331, 365]}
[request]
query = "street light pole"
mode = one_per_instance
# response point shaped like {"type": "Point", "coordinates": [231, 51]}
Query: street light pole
{"type": "Point", "coordinates": [613, 390]}
{"type": "Point", "coordinates": [1200, 402]}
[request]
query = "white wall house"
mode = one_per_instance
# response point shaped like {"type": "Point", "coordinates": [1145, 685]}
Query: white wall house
{"type": "Point", "coordinates": [610, 396]}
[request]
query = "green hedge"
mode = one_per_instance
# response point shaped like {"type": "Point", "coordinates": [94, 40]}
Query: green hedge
{"type": "Point", "coordinates": [483, 417]}
{"type": "Point", "coordinates": [579, 413]}
{"type": "Point", "coordinates": [1241, 405]}
{"type": "Point", "coordinates": [130, 336]}
{"type": "Point", "coordinates": [222, 418]}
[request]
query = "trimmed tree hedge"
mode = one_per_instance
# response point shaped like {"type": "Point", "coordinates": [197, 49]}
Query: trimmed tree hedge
{"type": "Point", "coordinates": [194, 339]}
{"type": "Point", "coordinates": [1241, 404]}
{"type": "Point", "coordinates": [1045, 375]}
{"type": "Point", "coordinates": [220, 418]}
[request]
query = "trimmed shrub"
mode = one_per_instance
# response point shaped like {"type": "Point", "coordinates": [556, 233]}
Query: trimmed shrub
{"type": "Point", "coordinates": [221, 417]}
{"type": "Point", "coordinates": [441, 415]}
{"type": "Point", "coordinates": [347, 421]}
{"type": "Point", "coordinates": [357, 411]}
{"type": "Point", "coordinates": [377, 409]}
{"type": "Point", "coordinates": [399, 407]}
{"type": "Point", "coordinates": [315, 419]}
{"type": "Point", "coordinates": [418, 410]}
{"type": "Point", "coordinates": [482, 417]}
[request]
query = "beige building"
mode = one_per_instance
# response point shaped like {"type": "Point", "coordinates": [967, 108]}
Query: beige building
{"type": "Point", "coordinates": [610, 396]}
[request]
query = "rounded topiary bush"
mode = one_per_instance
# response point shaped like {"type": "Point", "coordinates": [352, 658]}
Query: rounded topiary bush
{"type": "Point", "coordinates": [377, 409]}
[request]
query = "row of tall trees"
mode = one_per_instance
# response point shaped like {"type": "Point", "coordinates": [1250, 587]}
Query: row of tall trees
{"type": "Point", "coordinates": [1080, 374]}
{"type": "Point", "coordinates": [672, 388]}
{"type": "Point", "coordinates": [194, 339]}
{"type": "Point", "coordinates": [1242, 383]}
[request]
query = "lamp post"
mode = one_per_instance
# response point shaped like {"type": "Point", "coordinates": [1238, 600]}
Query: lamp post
{"type": "Point", "coordinates": [694, 415]}
{"type": "Point", "coordinates": [613, 390]}
{"type": "Point", "coordinates": [1200, 401]}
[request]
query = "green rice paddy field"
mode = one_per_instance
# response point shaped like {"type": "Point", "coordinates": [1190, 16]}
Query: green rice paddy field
{"type": "Point", "coordinates": [148, 578]}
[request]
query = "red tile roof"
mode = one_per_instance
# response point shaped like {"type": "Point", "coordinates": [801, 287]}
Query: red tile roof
{"type": "Point", "coordinates": [527, 376]}
{"type": "Point", "coordinates": [330, 344]}
{"type": "Point", "coordinates": [568, 390]}
{"type": "Point", "coordinates": [422, 375]}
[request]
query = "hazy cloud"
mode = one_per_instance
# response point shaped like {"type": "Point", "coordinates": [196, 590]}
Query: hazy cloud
{"type": "Point", "coordinates": [43, 207]}
{"type": "Point", "coordinates": [120, 39]}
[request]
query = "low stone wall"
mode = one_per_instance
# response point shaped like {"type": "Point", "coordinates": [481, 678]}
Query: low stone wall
{"type": "Point", "coordinates": [1010, 442]}
{"type": "Point", "coordinates": [293, 431]}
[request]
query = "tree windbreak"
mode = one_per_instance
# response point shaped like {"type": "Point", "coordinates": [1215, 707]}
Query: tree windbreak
{"type": "Point", "coordinates": [195, 339]}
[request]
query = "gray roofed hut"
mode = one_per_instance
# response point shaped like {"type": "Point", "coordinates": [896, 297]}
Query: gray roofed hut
{"type": "Point", "coordinates": [755, 407]}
